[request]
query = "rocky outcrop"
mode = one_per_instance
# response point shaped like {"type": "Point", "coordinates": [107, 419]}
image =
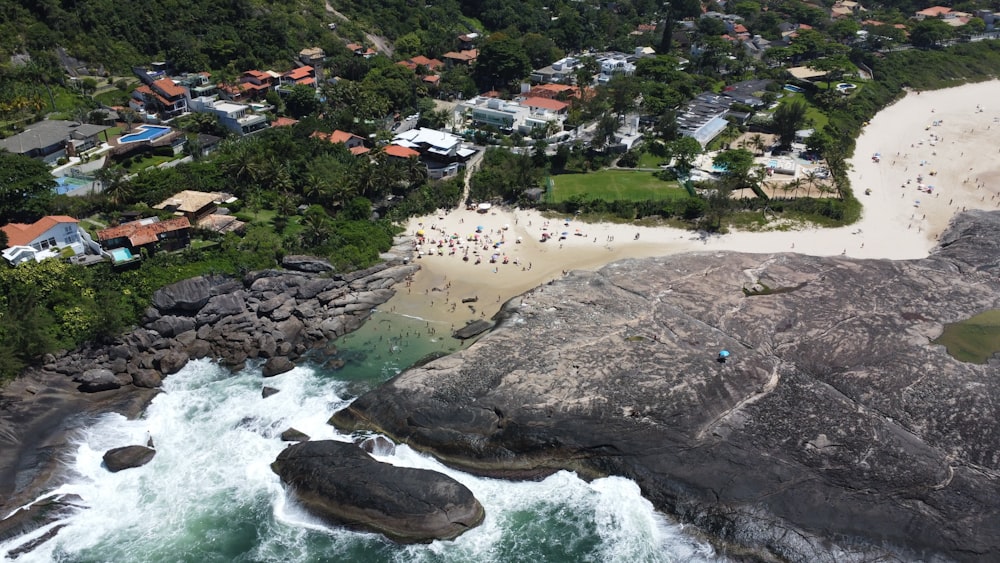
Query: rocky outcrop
{"type": "Point", "coordinates": [294, 435]}
{"type": "Point", "coordinates": [267, 314]}
{"type": "Point", "coordinates": [836, 430]}
{"type": "Point", "coordinates": [342, 484]}
{"type": "Point", "coordinates": [128, 457]}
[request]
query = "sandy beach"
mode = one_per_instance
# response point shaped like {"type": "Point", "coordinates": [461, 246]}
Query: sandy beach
{"type": "Point", "coordinates": [935, 159]}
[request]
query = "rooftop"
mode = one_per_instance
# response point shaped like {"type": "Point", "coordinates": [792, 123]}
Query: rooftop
{"type": "Point", "coordinates": [143, 231]}
{"type": "Point", "coordinates": [47, 133]}
{"type": "Point", "coordinates": [20, 234]}
{"type": "Point", "coordinates": [189, 201]}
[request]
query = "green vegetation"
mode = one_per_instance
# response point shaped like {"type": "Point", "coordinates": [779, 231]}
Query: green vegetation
{"type": "Point", "coordinates": [615, 185]}
{"type": "Point", "coordinates": [973, 340]}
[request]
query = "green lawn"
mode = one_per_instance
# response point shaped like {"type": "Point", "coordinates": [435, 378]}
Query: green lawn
{"type": "Point", "coordinates": [138, 165]}
{"type": "Point", "coordinates": [814, 115]}
{"type": "Point", "coordinates": [647, 160]}
{"type": "Point", "coordinates": [615, 185]}
{"type": "Point", "coordinates": [113, 97]}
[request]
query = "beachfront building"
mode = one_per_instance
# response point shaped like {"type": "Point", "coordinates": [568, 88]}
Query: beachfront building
{"type": "Point", "coordinates": [441, 152]}
{"type": "Point", "coordinates": [194, 205]}
{"type": "Point", "coordinates": [48, 237]}
{"type": "Point", "coordinates": [238, 118]}
{"type": "Point", "coordinates": [51, 139]}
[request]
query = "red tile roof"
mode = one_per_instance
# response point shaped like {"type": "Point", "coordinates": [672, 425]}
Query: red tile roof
{"type": "Point", "coordinates": [553, 90]}
{"type": "Point", "coordinates": [400, 151]}
{"type": "Point", "coordinates": [740, 28]}
{"type": "Point", "coordinates": [360, 149]}
{"type": "Point", "coordinates": [299, 73]}
{"type": "Point", "coordinates": [408, 64]}
{"type": "Point", "coordinates": [169, 88]}
{"type": "Point", "coordinates": [432, 64]}
{"type": "Point", "coordinates": [284, 122]}
{"type": "Point", "coordinates": [934, 11]}
{"type": "Point", "coordinates": [339, 136]}
{"type": "Point", "coordinates": [308, 81]}
{"type": "Point", "coordinates": [258, 75]}
{"type": "Point", "coordinates": [139, 234]}
{"type": "Point", "coordinates": [20, 234]}
{"type": "Point", "coordinates": [464, 56]}
{"type": "Point", "coordinates": [545, 103]}
{"type": "Point", "coordinates": [432, 79]}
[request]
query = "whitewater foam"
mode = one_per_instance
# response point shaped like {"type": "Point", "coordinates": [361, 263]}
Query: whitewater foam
{"type": "Point", "coordinates": [209, 493]}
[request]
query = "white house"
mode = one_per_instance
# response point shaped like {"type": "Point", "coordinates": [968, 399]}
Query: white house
{"type": "Point", "coordinates": [45, 238]}
{"type": "Point", "coordinates": [238, 118]}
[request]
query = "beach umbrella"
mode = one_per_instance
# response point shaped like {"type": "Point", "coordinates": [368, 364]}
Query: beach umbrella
{"type": "Point", "coordinates": [479, 228]}
{"type": "Point", "coordinates": [723, 354]}
{"type": "Point", "coordinates": [420, 232]}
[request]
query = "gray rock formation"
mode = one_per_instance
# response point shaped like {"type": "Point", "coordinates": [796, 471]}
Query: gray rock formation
{"type": "Point", "coordinates": [306, 264]}
{"type": "Point", "coordinates": [128, 457]}
{"type": "Point", "coordinates": [474, 328]}
{"type": "Point", "coordinates": [294, 435]}
{"type": "Point", "coordinates": [94, 380]}
{"type": "Point", "coordinates": [342, 484]}
{"type": "Point", "coordinates": [277, 365]}
{"type": "Point", "coordinates": [836, 430]}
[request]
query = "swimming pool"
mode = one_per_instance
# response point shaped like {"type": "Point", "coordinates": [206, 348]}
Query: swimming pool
{"type": "Point", "coordinates": [773, 163]}
{"type": "Point", "coordinates": [793, 88]}
{"type": "Point", "coordinates": [145, 133]}
{"type": "Point", "coordinates": [120, 255]}
{"type": "Point", "coordinates": [845, 86]}
{"type": "Point", "coordinates": [66, 184]}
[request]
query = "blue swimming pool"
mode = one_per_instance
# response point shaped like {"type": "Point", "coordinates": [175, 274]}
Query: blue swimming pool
{"type": "Point", "coordinates": [121, 254]}
{"type": "Point", "coordinates": [66, 184]}
{"type": "Point", "coordinates": [793, 88]}
{"type": "Point", "coordinates": [145, 133]}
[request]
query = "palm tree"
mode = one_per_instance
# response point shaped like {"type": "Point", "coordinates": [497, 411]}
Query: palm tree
{"type": "Point", "coordinates": [116, 189]}
{"type": "Point", "coordinates": [812, 179]}
{"type": "Point", "coordinates": [793, 186]}
{"type": "Point", "coordinates": [758, 143]}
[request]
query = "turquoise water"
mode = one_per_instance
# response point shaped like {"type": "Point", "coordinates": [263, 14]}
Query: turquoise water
{"type": "Point", "coordinates": [145, 133]}
{"type": "Point", "coordinates": [121, 254]}
{"type": "Point", "coordinates": [209, 494]}
{"type": "Point", "coordinates": [793, 88]}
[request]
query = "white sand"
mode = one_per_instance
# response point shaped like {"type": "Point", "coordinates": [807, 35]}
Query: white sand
{"type": "Point", "coordinates": [893, 225]}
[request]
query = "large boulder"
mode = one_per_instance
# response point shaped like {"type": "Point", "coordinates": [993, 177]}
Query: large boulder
{"type": "Point", "coordinates": [277, 365]}
{"type": "Point", "coordinates": [311, 264]}
{"type": "Point", "coordinates": [343, 485]}
{"type": "Point", "coordinates": [186, 295]}
{"type": "Point", "coordinates": [99, 379]}
{"type": "Point", "coordinates": [127, 457]}
{"type": "Point", "coordinates": [835, 430]}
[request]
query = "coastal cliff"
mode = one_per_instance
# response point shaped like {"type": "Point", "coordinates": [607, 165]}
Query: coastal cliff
{"type": "Point", "coordinates": [836, 429]}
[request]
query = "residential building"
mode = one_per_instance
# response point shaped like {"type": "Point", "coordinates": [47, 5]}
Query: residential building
{"type": "Point", "coordinates": [302, 75]}
{"type": "Point", "coordinates": [197, 85]}
{"type": "Point", "coordinates": [46, 238]}
{"type": "Point", "coordinates": [361, 50]}
{"type": "Point", "coordinates": [612, 65]}
{"type": "Point", "coordinates": [238, 118]}
{"type": "Point", "coordinates": [464, 57]}
{"type": "Point", "coordinates": [555, 91]}
{"type": "Point", "coordinates": [50, 140]}
{"type": "Point", "coordinates": [400, 152]}
{"type": "Point", "coordinates": [194, 205]}
{"type": "Point", "coordinates": [150, 234]}
{"type": "Point", "coordinates": [706, 116]}
{"type": "Point", "coordinates": [561, 71]}
{"type": "Point", "coordinates": [353, 142]}
{"type": "Point", "coordinates": [256, 84]}
{"type": "Point", "coordinates": [163, 97]}
{"type": "Point", "coordinates": [544, 105]}
{"type": "Point", "coordinates": [312, 56]}
{"type": "Point", "coordinates": [940, 12]}
{"type": "Point", "coordinates": [524, 116]}
{"type": "Point", "coordinates": [434, 144]}
{"type": "Point", "coordinates": [467, 41]}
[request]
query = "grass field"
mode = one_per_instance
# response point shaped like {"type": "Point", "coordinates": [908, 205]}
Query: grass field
{"type": "Point", "coordinates": [647, 160]}
{"type": "Point", "coordinates": [615, 185]}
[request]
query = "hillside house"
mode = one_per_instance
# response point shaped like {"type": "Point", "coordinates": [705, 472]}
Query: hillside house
{"type": "Point", "coordinates": [150, 234]}
{"type": "Point", "coordinates": [50, 139]}
{"type": "Point", "coordinates": [305, 75]}
{"type": "Point", "coordinates": [238, 118]}
{"type": "Point", "coordinates": [464, 57]}
{"type": "Point", "coordinates": [46, 238]}
{"type": "Point", "coordinates": [162, 97]}
{"type": "Point", "coordinates": [312, 56]}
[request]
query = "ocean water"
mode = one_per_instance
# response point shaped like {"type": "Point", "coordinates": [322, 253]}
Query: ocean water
{"type": "Point", "coordinates": [209, 494]}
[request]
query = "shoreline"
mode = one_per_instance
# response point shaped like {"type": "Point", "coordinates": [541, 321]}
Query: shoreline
{"type": "Point", "coordinates": [920, 134]}
{"type": "Point", "coordinates": [889, 229]}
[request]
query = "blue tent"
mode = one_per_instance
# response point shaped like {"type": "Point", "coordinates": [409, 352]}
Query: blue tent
{"type": "Point", "coordinates": [724, 354]}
